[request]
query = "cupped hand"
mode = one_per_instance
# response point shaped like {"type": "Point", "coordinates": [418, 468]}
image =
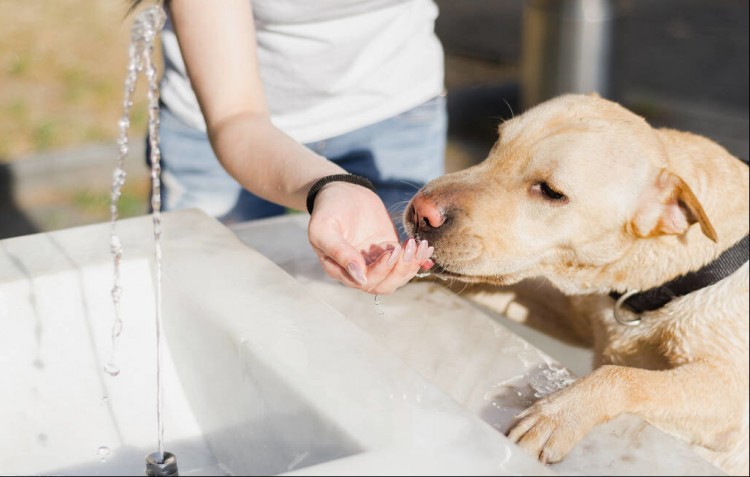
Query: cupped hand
{"type": "Point", "coordinates": [356, 241]}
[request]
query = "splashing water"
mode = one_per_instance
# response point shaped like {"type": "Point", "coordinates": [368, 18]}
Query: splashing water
{"type": "Point", "coordinates": [379, 306]}
{"type": "Point", "coordinates": [103, 453]}
{"type": "Point", "coordinates": [112, 369]}
{"type": "Point", "coordinates": [146, 27]}
{"type": "Point", "coordinates": [552, 378]}
{"type": "Point", "coordinates": [430, 274]}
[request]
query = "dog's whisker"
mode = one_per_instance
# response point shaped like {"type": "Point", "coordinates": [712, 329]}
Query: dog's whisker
{"type": "Point", "coordinates": [410, 184]}
{"type": "Point", "coordinates": [512, 114]}
{"type": "Point", "coordinates": [400, 204]}
{"type": "Point", "coordinates": [466, 285]}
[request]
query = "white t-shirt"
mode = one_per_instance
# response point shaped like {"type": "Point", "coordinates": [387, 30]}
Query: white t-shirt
{"type": "Point", "coordinates": [330, 66]}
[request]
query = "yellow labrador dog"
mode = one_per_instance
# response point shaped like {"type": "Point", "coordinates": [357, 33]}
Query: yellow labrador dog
{"type": "Point", "coordinates": [646, 231]}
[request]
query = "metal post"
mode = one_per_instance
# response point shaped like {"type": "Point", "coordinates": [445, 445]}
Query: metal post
{"type": "Point", "coordinates": [565, 48]}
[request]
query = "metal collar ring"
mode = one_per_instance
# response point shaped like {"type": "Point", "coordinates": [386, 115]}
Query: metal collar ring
{"type": "Point", "coordinates": [619, 315]}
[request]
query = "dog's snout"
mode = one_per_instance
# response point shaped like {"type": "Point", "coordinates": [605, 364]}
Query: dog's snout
{"type": "Point", "coordinates": [425, 214]}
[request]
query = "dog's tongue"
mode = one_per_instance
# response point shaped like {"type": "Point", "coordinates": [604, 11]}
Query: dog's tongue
{"type": "Point", "coordinates": [427, 264]}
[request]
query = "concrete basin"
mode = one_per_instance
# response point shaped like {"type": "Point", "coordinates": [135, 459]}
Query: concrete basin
{"type": "Point", "coordinates": [261, 376]}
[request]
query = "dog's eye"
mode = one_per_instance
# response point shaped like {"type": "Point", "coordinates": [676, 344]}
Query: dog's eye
{"type": "Point", "coordinates": [548, 192]}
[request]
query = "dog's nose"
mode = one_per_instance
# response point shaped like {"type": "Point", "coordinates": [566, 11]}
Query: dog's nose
{"type": "Point", "coordinates": [425, 214]}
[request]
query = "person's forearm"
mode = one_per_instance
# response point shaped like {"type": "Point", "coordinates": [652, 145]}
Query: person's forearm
{"type": "Point", "coordinates": [217, 40]}
{"type": "Point", "coordinates": [266, 161]}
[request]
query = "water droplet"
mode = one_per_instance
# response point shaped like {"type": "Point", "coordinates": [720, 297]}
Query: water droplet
{"type": "Point", "coordinates": [103, 453]}
{"type": "Point", "coordinates": [116, 294]}
{"type": "Point", "coordinates": [379, 306]}
{"type": "Point", "coordinates": [105, 398]}
{"type": "Point", "coordinates": [119, 174]}
{"type": "Point", "coordinates": [116, 244]}
{"type": "Point", "coordinates": [117, 327]}
{"type": "Point", "coordinates": [112, 369]}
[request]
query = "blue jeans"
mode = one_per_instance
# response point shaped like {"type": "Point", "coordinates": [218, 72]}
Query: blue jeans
{"type": "Point", "coordinates": [399, 155]}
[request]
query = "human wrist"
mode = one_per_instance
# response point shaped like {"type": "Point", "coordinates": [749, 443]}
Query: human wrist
{"type": "Point", "coordinates": [334, 178]}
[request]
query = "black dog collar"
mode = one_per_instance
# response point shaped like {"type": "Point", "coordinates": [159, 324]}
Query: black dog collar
{"type": "Point", "coordinates": [727, 263]}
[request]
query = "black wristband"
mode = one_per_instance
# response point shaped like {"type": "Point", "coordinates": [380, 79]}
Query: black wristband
{"type": "Point", "coordinates": [351, 178]}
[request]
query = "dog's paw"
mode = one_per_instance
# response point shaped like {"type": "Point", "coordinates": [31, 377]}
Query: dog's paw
{"type": "Point", "coordinates": [553, 426]}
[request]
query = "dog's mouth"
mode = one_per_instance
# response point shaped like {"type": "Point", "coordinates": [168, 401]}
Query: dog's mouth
{"type": "Point", "coordinates": [441, 271]}
{"type": "Point", "coordinates": [448, 271]}
{"type": "Point", "coordinates": [444, 271]}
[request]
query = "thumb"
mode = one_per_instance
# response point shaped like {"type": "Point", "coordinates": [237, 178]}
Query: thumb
{"type": "Point", "coordinates": [333, 245]}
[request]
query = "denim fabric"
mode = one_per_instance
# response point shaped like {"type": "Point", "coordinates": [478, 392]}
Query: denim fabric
{"type": "Point", "coordinates": [399, 155]}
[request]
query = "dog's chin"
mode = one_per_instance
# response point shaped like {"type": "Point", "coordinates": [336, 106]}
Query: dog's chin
{"type": "Point", "coordinates": [444, 272]}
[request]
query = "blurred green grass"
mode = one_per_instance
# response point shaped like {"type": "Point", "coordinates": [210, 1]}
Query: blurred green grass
{"type": "Point", "coordinates": [62, 67]}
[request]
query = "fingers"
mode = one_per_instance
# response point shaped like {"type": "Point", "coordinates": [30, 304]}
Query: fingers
{"type": "Point", "coordinates": [390, 271]}
{"type": "Point", "coordinates": [337, 272]}
{"type": "Point", "coordinates": [396, 265]}
{"type": "Point", "coordinates": [345, 276]}
{"type": "Point", "coordinates": [339, 258]}
{"type": "Point", "coordinates": [378, 268]}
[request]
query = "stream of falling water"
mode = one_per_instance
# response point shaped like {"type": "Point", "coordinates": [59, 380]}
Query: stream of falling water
{"type": "Point", "coordinates": [146, 27]}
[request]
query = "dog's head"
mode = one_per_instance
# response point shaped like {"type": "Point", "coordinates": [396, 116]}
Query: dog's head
{"type": "Point", "coordinates": [567, 189]}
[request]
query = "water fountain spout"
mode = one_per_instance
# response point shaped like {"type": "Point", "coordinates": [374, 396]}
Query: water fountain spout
{"type": "Point", "coordinates": [167, 466]}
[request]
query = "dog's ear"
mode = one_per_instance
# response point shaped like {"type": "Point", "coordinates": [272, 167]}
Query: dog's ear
{"type": "Point", "coordinates": [670, 208]}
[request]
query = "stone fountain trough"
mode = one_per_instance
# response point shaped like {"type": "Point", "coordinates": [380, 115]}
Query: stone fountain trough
{"type": "Point", "coordinates": [270, 367]}
{"type": "Point", "coordinates": [261, 377]}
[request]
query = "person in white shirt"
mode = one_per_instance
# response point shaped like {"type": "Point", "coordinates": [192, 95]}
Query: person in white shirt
{"type": "Point", "coordinates": [263, 101]}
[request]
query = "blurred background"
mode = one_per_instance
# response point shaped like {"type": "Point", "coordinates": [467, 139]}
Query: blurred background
{"type": "Point", "coordinates": [679, 63]}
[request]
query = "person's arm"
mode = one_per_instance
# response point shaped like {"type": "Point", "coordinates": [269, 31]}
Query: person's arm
{"type": "Point", "coordinates": [349, 223]}
{"type": "Point", "coordinates": [217, 40]}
